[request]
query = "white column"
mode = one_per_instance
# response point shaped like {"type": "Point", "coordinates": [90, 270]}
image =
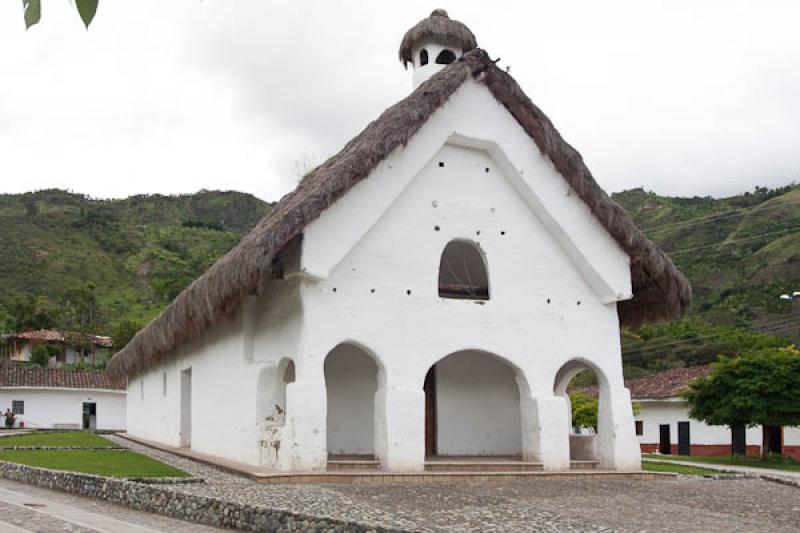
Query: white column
{"type": "Point", "coordinates": [617, 446]}
{"type": "Point", "coordinates": [544, 437]}
{"type": "Point", "coordinates": [306, 421]}
{"type": "Point", "coordinates": [400, 428]}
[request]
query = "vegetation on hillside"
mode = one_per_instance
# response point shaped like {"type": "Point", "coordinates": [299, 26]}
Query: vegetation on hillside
{"type": "Point", "coordinates": [740, 253]}
{"type": "Point", "coordinates": [108, 266]}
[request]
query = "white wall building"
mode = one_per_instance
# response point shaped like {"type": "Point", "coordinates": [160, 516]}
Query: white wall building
{"type": "Point", "coordinates": [430, 290]}
{"type": "Point", "coordinates": [71, 347]}
{"type": "Point", "coordinates": [62, 399]}
{"type": "Point", "coordinates": [663, 424]}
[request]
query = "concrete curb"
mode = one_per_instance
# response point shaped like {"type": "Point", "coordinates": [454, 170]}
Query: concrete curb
{"type": "Point", "coordinates": [22, 448]}
{"type": "Point", "coordinates": [781, 480]}
{"type": "Point", "coordinates": [169, 502]}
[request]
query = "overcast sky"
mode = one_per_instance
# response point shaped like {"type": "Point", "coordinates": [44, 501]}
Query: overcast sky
{"type": "Point", "coordinates": [680, 97]}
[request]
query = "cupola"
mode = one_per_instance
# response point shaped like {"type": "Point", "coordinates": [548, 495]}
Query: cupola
{"type": "Point", "coordinates": [433, 43]}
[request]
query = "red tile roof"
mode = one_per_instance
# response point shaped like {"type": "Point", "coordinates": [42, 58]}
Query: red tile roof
{"type": "Point", "coordinates": [11, 376]}
{"type": "Point", "coordinates": [51, 335]}
{"type": "Point", "coordinates": [667, 384]}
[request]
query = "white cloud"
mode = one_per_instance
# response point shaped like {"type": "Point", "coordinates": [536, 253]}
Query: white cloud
{"type": "Point", "coordinates": [168, 97]}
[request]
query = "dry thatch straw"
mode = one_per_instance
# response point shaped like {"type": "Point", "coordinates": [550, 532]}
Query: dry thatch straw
{"type": "Point", "coordinates": [440, 29]}
{"type": "Point", "coordinates": [660, 290]}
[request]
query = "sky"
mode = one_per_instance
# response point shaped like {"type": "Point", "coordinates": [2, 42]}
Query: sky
{"type": "Point", "coordinates": [679, 97]}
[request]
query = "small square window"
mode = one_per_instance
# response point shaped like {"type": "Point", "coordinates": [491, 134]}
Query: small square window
{"type": "Point", "coordinates": [18, 407]}
{"type": "Point", "coordinates": [639, 427]}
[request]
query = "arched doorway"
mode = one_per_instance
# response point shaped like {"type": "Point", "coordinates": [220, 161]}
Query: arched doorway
{"type": "Point", "coordinates": [583, 387]}
{"type": "Point", "coordinates": [472, 406]}
{"type": "Point", "coordinates": [351, 381]}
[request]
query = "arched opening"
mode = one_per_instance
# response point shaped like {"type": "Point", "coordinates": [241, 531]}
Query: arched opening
{"type": "Point", "coordinates": [423, 57]}
{"type": "Point", "coordinates": [445, 57]}
{"type": "Point", "coordinates": [462, 272]}
{"type": "Point", "coordinates": [583, 387]}
{"type": "Point", "coordinates": [472, 406]}
{"type": "Point", "coordinates": [351, 381]}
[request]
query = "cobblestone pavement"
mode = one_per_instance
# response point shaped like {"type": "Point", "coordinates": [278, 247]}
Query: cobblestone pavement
{"type": "Point", "coordinates": [685, 504]}
{"type": "Point", "coordinates": [24, 508]}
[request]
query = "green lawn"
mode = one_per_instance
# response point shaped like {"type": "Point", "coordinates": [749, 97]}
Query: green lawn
{"type": "Point", "coordinates": [775, 463]}
{"type": "Point", "coordinates": [100, 462]}
{"type": "Point", "coordinates": [678, 469]}
{"type": "Point", "coordinates": [57, 439]}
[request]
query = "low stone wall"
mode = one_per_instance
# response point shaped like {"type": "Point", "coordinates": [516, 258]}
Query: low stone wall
{"type": "Point", "coordinates": [169, 502]}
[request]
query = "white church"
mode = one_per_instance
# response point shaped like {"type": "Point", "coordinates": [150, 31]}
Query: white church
{"type": "Point", "coordinates": [426, 293]}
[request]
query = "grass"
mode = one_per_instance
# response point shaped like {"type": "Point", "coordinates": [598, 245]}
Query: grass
{"type": "Point", "coordinates": [678, 469]}
{"type": "Point", "coordinates": [775, 463]}
{"type": "Point", "coordinates": [109, 463]}
{"type": "Point", "coordinates": [57, 439]}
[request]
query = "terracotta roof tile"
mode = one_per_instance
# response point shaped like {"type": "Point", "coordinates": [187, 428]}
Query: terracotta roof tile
{"type": "Point", "coordinates": [58, 377]}
{"type": "Point", "coordinates": [50, 335]}
{"type": "Point", "coordinates": [667, 384]}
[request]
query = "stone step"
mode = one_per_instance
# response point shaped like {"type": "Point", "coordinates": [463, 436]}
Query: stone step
{"type": "Point", "coordinates": [584, 465]}
{"type": "Point", "coordinates": [353, 465]}
{"type": "Point", "coordinates": [440, 465]}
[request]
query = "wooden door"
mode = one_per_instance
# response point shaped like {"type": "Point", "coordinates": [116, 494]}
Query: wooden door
{"type": "Point", "coordinates": [664, 444]}
{"type": "Point", "coordinates": [684, 439]}
{"type": "Point", "coordinates": [430, 412]}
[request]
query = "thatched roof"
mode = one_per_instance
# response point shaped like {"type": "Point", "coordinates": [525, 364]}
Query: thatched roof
{"type": "Point", "coordinates": [660, 290]}
{"type": "Point", "coordinates": [438, 28]}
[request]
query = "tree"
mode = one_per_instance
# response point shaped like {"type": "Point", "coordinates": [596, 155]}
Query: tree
{"type": "Point", "coordinates": [33, 11]}
{"type": "Point", "coordinates": [30, 313]}
{"type": "Point", "coordinates": [757, 388]}
{"type": "Point", "coordinates": [584, 410]}
{"type": "Point", "coordinates": [124, 332]}
{"type": "Point", "coordinates": [85, 317]}
{"type": "Point", "coordinates": [39, 355]}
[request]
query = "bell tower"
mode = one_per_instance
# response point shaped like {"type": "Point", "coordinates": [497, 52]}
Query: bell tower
{"type": "Point", "coordinates": [433, 43]}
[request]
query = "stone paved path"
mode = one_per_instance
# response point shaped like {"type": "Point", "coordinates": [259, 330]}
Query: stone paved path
{"type": "Point", "coordinates": [24, 508]}
{"type": "Point", "coordinates": [686, 504]}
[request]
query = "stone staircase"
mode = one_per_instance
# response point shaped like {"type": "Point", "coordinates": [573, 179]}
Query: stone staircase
{"type": "Point", "coordinates": [353, 463]}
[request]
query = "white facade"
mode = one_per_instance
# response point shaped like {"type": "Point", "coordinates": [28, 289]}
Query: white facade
{"type": "Point", "coordinates": [670, 411]}
{"type": "Point", "coordinates": [364, 279]}
{"type": "Point", "coordinates": [63, 408]}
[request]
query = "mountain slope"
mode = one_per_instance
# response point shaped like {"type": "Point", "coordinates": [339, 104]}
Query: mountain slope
{"type": "Point", "coordinates": [740, 253]}
{"type": "Point", "coordinates": [137, 253]}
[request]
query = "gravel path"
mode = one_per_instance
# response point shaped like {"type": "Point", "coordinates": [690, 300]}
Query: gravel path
{"type": "Point", "coordinates": [686, 504]}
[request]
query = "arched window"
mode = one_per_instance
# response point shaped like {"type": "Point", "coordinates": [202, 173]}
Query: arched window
{"type": "Point", "coordinates": [423, 57]}
{"type": "Point", "coordinates": [462, 272]}
{"type": "Point", "coordinates": [445, 57]}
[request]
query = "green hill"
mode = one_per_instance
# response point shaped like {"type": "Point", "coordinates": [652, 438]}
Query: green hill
{"type": "Point", "coordinates": [128, 257]}
{"type": "Point", "coordinates": [740, 253]}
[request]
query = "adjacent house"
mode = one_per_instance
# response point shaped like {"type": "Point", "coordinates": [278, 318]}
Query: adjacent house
{"type": "Point", "coordinates": [427, 292]}
{"type": "Point", "coordinates": [55, 398]}
{"type": "Point", "coordinates": [71, 347]}
{"type": "Point", "coordinates": [663, 424]}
